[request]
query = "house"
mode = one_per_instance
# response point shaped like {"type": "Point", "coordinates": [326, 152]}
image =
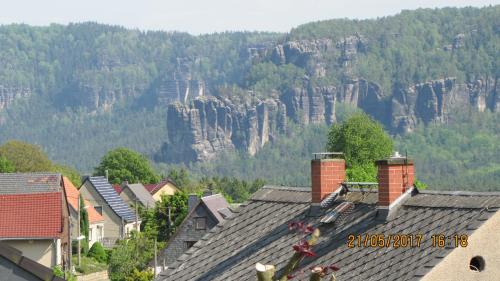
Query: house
{"type": "Point", "coordinates": [96, 221]}
{"type": "Point", "coordinates": [164, 187]}
{"type": "Point", "coordinates": [387, 230]}
{"type": "Point", "coordinates": [16, 267]}
{"type": "Point", "coordinates": [136, 193]}
{"type": "Point", "coordinates": [34, 217]}
{"type": "Point", "coordinates": [203, 215]}
{"type": "Point", "coordinates": [119, 218]}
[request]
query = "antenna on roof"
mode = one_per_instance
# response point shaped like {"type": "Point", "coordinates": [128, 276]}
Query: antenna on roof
{"type": "Point", "coordinates": [107, 175]}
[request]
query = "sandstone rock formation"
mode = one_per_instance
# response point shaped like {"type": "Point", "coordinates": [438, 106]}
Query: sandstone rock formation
{"type": "Point", "coordinates": [433, 101]}
{"type": "Point", "coordinates": [206, 126]}
{"type": "Point", "coordinates": [9, 94]}
{"type": "Point", "coordinates": [300, 52]}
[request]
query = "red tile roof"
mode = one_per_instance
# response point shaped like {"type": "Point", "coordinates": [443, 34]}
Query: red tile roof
{"type": "Point", "coordinates": [150, 187]}
{"type": "Point", "coordinates": [72, 195]}
{"type": "Point", "coordinates": [118, 188]}
{"type": "Point", "coordinates": [154, 187]}
{"type": "Point", "coordinates": [34, 215]}
{"type": "Point", "coordinates": [94, 216]}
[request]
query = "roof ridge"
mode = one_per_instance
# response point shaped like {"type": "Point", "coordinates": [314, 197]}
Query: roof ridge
{"type": "Point", "coordinates": [461, 192]}
{"type": "Point", "coordinates": [290, 188]}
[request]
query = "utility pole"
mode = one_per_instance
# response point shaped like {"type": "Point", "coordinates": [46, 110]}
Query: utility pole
{"type": "Point", "coordinates": [156, 261]}
{"type": "Point", "coordinates": [136, 217]}
{"type": "Point", "coordinates": [79, 231]}
{"type": "Point", "coordinates": [122, 233]}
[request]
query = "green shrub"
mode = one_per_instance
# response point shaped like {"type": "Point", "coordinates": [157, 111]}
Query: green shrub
{"type": "Point", "coordinates": [108, 254]}
{"type": "Point", "coordinates": [97, 252]}
{"type": "Point", "coordinates": [136, 275]}
{"type": "Point", "coordinates": [57, 270]}
{"type": "Point", "coordinates": [83, 247]}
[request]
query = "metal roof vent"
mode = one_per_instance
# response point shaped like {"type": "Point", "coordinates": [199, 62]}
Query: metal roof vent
{"type": "Point", "coordinates": [330, 199]}
{"type": "Point", "coordinates": [341, 210]}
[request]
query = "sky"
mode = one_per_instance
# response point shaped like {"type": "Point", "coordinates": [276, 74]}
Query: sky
{"type": "Point", "coordinates": [209, 16]}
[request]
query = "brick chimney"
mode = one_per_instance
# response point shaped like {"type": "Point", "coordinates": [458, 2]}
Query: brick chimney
{"type": "Point", "coordinates": [395, 176]}
{"type": "Point", "coordinates": [327, 174]}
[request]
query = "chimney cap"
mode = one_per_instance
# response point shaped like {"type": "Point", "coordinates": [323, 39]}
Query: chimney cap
{"type": "Point", "coordinates": [328, 155]}
{"type": "Point", "coordinates": [397, 155]}
{"type": "Point", "coordinates": [395, 159]}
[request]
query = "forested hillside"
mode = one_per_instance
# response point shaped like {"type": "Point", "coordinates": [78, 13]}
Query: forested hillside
{"type": "Point", "coordinates": [463, 155]}
{"type": "Point", "coordinates": [262, 102]}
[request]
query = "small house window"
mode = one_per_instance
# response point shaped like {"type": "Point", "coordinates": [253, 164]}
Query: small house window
{"type": "Point", "coordinates": [201, 223]}
{"type": "Point", "coordinates": [189, 244]}
{"type": "Point", "coordinates": [477, 264]}
{"type": "Point", "coordinates": [98, 209]}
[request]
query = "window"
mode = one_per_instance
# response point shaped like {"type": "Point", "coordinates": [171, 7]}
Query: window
{"type": "Point", "coordinates": [189, 244]}
{"type": "Point", "coordinates": [90, 234]}
{"type": "Point", "coordinates": [98, 209]}
{"type": "Point", "coordinates": [200, 223]}
{"type": "Point", "coordinates": [99, 233]}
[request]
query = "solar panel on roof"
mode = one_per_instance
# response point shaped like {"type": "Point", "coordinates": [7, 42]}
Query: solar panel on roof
{"type": "Point", "coordinates": [340, 210]}
{"type": "Point", "coordinates": [112, 199]}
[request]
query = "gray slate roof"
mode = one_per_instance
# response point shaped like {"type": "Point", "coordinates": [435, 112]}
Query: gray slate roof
{"type": "Point", "coordinates": [112, 198]}
{"type": "Point", "coordinates": [259, 233]}
{"type": "Point", "coordinates": [218, 206]}
{"type": "Point", "coordinates": [142, 194]}
{"type": "Point", "coordinates": [16, 183]}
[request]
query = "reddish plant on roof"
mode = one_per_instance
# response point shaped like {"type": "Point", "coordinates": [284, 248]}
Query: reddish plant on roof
{"type": "Point", "coordinates": [301, 227]}
{"type": "Point", "coordinates": [302, 249]}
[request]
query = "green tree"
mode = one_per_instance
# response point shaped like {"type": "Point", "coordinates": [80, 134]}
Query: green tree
{"type": "Point", "coordinates": [6, 166]}
{"type": "Point", "coordinates": [69, 172]}
{"type": "Point", "coordinates": [180, 177]}
{"type": "Point", "coordinates": [169, 213]}
{"type": "Point", "coordinates": [362, 140]}
{"type": "Point", "coordinates": [129, 255]}
{"type": "Point", "coordinates": [84, 226]}
{"type": "Point", "coordinates": [26, 157]}
{"type": "Point", "coordinates": [124, 164]}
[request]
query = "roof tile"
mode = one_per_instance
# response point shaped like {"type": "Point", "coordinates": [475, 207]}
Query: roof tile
{"type": "Point", "coordinates": [259, 233]}
{"type": "Point", "coordinates": [34, 215]}
{"type": "Point", "coordinates": [15, 183]}
{"type": "Point", "coordinates": [112, 198]}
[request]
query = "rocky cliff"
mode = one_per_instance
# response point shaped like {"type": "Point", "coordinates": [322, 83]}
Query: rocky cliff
{"type": "Point", "coordinates": [433, 101]}
{"type": "Point", "coordinates": [9, 94]}
{"type": "Point", "coordinates": [206, 126]}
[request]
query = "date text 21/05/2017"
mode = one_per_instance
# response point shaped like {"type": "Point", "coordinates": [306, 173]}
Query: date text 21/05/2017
{"type": "Point", "coordinates": [405, 240]}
